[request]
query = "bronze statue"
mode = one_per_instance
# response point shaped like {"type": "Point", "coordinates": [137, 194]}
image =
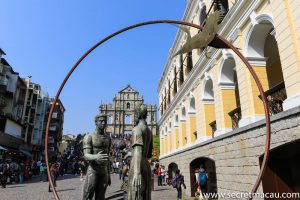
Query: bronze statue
{"type": "Point", "coordinates": [202, 39]}
{"type": "Point", "coordinates": [139, 187]}
{"type": "Point", "coordinates": [96, 147]}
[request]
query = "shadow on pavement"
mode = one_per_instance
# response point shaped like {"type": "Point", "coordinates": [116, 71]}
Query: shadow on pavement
{"type": "Point", "coordinates": [65, 189]}
{"type": "Point", "coordinates": [118, 196]}
{"type": "Point", "coordinates": [162, 189]}
{"type": "Point", "coordinates": [14, 186]}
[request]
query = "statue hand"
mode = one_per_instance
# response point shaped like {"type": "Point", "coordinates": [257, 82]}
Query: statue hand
{"type": "Point", "coordinates": [101, 157]}
{"type": "Point", "coordinates": [137, 181]}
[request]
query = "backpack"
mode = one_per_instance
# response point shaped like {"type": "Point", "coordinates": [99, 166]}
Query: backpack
{"type": "Point", "coordinates": [202, 178]}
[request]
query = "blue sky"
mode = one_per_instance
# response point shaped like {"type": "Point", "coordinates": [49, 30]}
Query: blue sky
{"type": "Point", "coordinates": [45, 38]}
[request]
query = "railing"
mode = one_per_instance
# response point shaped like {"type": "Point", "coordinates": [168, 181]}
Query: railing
{"type": "Point", "coordinates": [275, 97]}
{"type": "Point", "coordinates": [236, 116]}
{"type": "Point", "coordinates": [213, 126]}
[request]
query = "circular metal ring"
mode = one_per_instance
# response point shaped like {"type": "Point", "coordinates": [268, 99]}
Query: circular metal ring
{"type": "Point", "coordinates": [226, 42]}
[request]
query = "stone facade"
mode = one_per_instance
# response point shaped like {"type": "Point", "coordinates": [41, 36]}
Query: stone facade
{"type": "Point", "coordinates": [236, 154]}
{"type": "Point", "coordinates": [120, 113]}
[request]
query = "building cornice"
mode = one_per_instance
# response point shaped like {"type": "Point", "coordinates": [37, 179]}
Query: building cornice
{"type": "Point", "coordinates": [231, 18]}
{"type": "Point", "coordinates": [186, 17]}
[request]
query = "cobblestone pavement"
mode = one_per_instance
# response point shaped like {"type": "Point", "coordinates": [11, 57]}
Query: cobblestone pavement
{"type": "Point", "coordinates": [70, 188]}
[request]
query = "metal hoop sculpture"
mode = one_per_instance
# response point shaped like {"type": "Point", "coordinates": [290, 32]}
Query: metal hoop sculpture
{"type": "Point", "coordinates": [221, 38]}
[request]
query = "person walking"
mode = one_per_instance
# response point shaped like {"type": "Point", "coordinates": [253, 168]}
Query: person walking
{"type": "Point", "coordinates": [179, 182]}
{"type": "Point", "coordinates": [159, 181]}
{"type": "Point", "coordinates": [21, 173]}
{"type": "Point", "coordinates": [26, 173]}
{"type": "Point", "coordinates": [3, 174]}
{"type": "Point", "coordinates": [38, 165]}
{"type": "Point", "coordinates": [202, 179]}
{"type": "Point", "coordinates": [53, 171]}
{"type": "Point", "coordinates": [42, 171]}
{"type": "Point", "coordinates": [125, 170]}
{"type": "Point", "coordinates": [163, 175]}
{"type": "Point", "coordinates": [114, 166]}
{"type": "Point", "coordinates": [120, 170]}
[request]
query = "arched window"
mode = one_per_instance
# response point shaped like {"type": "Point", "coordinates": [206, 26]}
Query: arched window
{"type": "Point", "coordinates": [175, 82]}
{"type": "Point", "coordinates": [261, 45]}
{"type": "Point", "coordinates": [208, 93]}
{"type": "Point", "coordinates": [169, 91]}
{"type": "Point", "coordinates": [189, 62]}
{"type": "Point", "coordinates": [181, 75]}
{"type": "Point", "coordinates": [183, 113]}
{"type": "Point", "coordinates": [192, 105]}
{"type": "Point", "coordinates": [128, 105]}
{"type": "Point", "coordinates": [202, 15]}
{"type": "Point", "coordinates": [176, 120]}
{"type": "Point", "coordinates": [209, 107]}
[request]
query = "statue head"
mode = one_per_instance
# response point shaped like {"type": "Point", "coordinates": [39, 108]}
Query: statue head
{"type": "Point", "coordinates": [101, 121]}
{"type": "Point", "coordinates": [140, 112]}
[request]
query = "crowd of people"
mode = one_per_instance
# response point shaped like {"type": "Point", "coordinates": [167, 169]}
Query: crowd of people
{"type": "Point", "coordinates": [12, 172]}
{"type": "Point", "coordinates": [120, 157]}
{"type": "Point", "coordinates": [72, 162]}
{"type": "Point", "coordinates": [162, 175]}
{"type": "Point", "coordinates": [16, 171]}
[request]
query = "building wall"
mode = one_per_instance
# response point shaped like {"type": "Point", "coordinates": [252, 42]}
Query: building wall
{"type": "Point", "coordinates": [247, 25]}
{"type": "Point", "coordinates": [260, 29]}
{"type": "Point", "coordinates": [236, 154]}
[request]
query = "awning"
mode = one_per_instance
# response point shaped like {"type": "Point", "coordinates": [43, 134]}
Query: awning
{"type": "Point", "coordinates": [2, 148]}
{"type": "Point", "coordinates": [26, 153]}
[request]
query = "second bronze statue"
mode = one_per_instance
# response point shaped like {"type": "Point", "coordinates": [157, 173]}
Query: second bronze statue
{"type": "Point", "coordinates": [139, 184]}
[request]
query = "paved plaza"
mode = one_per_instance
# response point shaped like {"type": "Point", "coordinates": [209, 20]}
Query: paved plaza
{"type": "Point", "coordinates": [70, 188]}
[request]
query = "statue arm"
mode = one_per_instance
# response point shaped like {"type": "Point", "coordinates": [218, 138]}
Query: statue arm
{"type": "Point", "coordinates": [88, 156]}
{"type": "Point", "coordinates": [137, 158]}
{"type": "Point", "coordinates": [87, 151]}
{"type": "Point", "coordinates": [137, 145]}
{"type": "Point", "coordinates": [87, 148]}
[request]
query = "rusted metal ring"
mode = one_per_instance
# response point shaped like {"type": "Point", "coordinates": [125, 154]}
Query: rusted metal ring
{"type": "Point", "coordinates": [226, 42]}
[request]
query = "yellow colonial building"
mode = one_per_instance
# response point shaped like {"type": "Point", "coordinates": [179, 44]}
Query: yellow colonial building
{"type": "Point", "coordinates": [210, 109]}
